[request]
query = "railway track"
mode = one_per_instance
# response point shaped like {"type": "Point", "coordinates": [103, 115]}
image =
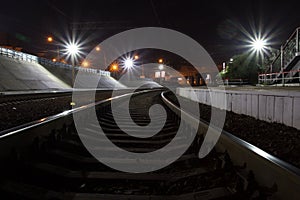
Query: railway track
{"type": "Point", "coordinates": [26, 107]}
{"type": "Point", "coordinates": [49, 161]}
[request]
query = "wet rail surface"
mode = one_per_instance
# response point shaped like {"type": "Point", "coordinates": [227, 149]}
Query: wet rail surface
{"type": "Point", "coordinates": [56, 165]}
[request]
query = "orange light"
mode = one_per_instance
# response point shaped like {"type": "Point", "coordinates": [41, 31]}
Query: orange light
{"type": "Point", "coordinates": [85, 63]}
{"type": "Point", "coordinates": [50, 39]}
{"type": "Point", "coordinates": [98, 49]}
{"type": "Point", "coordinates": [114, 67]}
{"type": "Point", "coordinates": [54, 60]}
{"type": "Point", "coordinates": [136, 57]}
{"type": "Point", "coordinates": [160, 60]}
{"type": "Point", "coordinates": [43, 119]}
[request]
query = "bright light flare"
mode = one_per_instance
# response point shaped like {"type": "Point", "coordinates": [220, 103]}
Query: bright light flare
{"type": "Point", "coordinates": [259, 44]}
{"type": "Point", "coordinates": [128, 63]}
{"type": "Point", "coordinates": [255, 39]}
{"type": "Point", "coordinates": [72, 49]}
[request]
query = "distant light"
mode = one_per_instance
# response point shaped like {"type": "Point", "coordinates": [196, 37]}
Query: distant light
{"type": "Point", "coordinates": [259, 44]}
{"type": "Point", "coordinates": [85, 63]}
{"type": "Point", "coordinates": [50, 39]}
{"type": "Point", "coordinates": [136, 57]}
{"type": "Point", "coordinates": [98, 48]}
{"type": "Point", "coordinates": [114, 67]}
{"type": "Point", "coordinates": [128, 63]}
{"type": "Point", "coordinates": [157, 75]}
{"type": "Point", "coordinates": [161, 67]}
{"type": "Point", "coordinates": [72, 49]}
{"type": "Point", "coordinates": [54, 60]}
{"type": "Point", "coordinates": [43, 119]}
{"type": "Point", "coordinates": [231, 59]}
{"type": "Point", "coordinates": [72, 103]}
{"type": "Point", "coordinates": [160, 60]}
{"type": "Point", "coordinates": [179, 79]}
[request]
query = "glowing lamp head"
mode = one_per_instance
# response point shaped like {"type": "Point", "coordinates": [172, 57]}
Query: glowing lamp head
{"type": "Point", "coordinates": [50, 39]}
{"type": "Point", "coordinates": [114, 67]}
{"type": "Point", "coordinates": [128, 63]}
{"type": "Point", "coordinates": [259, 44]}
{"type": "Point", "coordinates": [85, 63]}
{"type": "Point", "coordinates": [160, 67]}
{"type": "Point", "coordinates": [72, 49]}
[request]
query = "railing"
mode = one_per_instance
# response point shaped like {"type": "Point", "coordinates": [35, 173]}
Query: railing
{"type": "Point", "coordinates": [279, 77]}
{"type": "Point", "coordinates": [18, 55]}
{"type": "Point", "coordinates": [43, 61]}
{"type": "Point", "coordinates": [288, 52]}
{"type": "Point", "coordinates": [279, 69]}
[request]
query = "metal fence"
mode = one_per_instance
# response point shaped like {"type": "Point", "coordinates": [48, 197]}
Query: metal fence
{"type": "Point", "coordinates": [282, 69]}
{"type": "Point", "coordinates": [17, 55]}
{"type": "Point", "coordinates": [280, 77]}
{"type": "Point", "coordinates": [288, 51]}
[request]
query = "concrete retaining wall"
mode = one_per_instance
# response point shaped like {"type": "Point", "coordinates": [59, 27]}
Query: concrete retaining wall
{"type": "Point", "coordinates": [272, 106]}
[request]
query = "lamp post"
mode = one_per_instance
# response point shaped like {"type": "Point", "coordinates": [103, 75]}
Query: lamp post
{"type": "Point", "coordinates": [136, 57]}
{"type": "Point", "coordinates": [114, 68]}
{"type": "Point", "coordinates": [52, 41]}
{"type": "Point", "coordinates": [259, 45]}
{"type": "Point", "coordinates": [128, 63]}
{"type": "Point", "coordinates": [160, 67]}
{"type": "Point", "coordinates": [73, 51]}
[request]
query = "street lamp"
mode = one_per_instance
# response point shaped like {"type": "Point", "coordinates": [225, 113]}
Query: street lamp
{"type": "Point", "coordinates": [161, 67]}
{"type": "Point", "coordinates": [161, 73]}
{"type": "Point", "coordinates": [85, 63]}
{"type": "Point", "coordinates": [51, 40]}
{"type": "Point", "coordinates": [114, 67]}
{"type": "Point", "coordinates": [73, 51]}
{"type": "Point", "coordinates": [128, 63]}
{"type": "Point", "coordinates": [136, 57]}
{"type": "Point", "coordinates": [258, 45]}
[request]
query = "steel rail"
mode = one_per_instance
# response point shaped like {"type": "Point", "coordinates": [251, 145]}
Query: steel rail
{"type": "Point", "coordinates": [258, 158]}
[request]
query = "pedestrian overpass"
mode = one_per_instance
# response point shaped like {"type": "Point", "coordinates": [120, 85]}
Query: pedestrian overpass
{"type": "Point", "coordinates": [285, 69]}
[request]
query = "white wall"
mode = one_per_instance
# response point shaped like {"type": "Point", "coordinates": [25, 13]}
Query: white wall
{"type": "Point", "coordinates": [269, 105]}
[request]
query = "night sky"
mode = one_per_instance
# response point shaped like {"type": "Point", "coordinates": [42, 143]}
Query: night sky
{"type": "Point", "coordinates": [217, 25]}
